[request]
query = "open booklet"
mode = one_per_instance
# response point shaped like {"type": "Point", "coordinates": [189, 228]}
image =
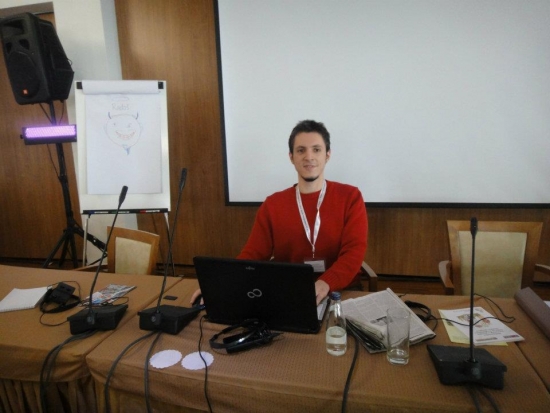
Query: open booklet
{"type": "Point", "coordinates": [108, 294]}
{"type": "Point", "coordinates": [366, 317]}
{"type": "Point", "coordinates": [487, 329]}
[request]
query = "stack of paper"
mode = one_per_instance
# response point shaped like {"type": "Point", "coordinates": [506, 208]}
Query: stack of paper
{"type": "Point", "coordinates": [366, 315]}
{"type": "Point", "coordinates": [22, 299]}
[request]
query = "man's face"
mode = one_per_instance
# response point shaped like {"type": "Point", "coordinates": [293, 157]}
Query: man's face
{"type": "Point", "coordinates": [309, 156]}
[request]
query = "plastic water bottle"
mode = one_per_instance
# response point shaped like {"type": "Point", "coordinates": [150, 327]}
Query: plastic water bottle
{"type": "Point", "coordinates": [336, 335]}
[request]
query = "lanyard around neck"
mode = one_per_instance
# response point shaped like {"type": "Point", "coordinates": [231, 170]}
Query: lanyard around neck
{"type": "Point", "coordinates": [317, 225]}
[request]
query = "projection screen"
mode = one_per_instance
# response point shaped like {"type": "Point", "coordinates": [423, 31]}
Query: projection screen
{"type": "Point", "coordinates": [427, 102]}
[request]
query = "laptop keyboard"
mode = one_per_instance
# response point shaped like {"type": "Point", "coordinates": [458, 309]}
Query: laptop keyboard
{"type": "Point", "coordinates": [321, 308]}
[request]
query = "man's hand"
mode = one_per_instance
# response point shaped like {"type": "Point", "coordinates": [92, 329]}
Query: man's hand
{"type": "Point", "coordinates": [195, 295]}
{"type": "Point", "coordinates": [321, 290]}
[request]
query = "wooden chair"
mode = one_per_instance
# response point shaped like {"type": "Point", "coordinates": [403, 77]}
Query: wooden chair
{"type": "Point", "coordinates": [368, 274]}
{"type": "Point", "coordinates": [543, 269]}
{"type": "Point", "coordinates": [130, 251]}
{"type": "Point", "coordinates": [505, 255]}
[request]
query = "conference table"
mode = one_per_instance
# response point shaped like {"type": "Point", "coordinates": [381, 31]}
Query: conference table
{"type": "Point", "coordinates": [26, 340]}
{"type": "Point", "coordinates": [295, 373]}
{"type": "Point", "coordinates": [536, 347]}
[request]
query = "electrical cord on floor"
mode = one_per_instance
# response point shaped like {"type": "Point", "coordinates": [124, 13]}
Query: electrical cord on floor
{"type": "Point", "coordinates": [205, 367]}
{"type": "Point", "coordinates": [113, 366]}
{"type": "Point", "coordinates": [49, 364]}
{"type": "Point", "coordinates": [146, 372]}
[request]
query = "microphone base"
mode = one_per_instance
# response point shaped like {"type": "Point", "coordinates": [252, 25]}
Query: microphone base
{"type": "Point", "coordinates": [172, 318]}
{"type": "Point", "coordinates": [453, 366]}
{"type": "Point", "coordinates": [106, 318]}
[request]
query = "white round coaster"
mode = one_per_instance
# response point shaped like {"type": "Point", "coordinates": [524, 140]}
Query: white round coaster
{"type": "Point", "coordinates": [165, 358]}
{"type": "Point", "coordinates": [193, 361]}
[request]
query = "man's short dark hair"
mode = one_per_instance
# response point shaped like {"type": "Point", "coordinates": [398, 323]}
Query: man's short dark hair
{"type": "Point", "coordinates": [309, 126]}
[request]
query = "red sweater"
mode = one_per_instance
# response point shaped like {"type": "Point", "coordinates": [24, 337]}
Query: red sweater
{"type": "Point", "coordinates": [278, 231]}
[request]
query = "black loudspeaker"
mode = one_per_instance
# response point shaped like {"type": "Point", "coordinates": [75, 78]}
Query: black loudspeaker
{"type": "Point", "coordinates": [38, 68]}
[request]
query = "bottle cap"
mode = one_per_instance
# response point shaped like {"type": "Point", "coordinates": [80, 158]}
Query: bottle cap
{"type": "Point", "coordinates": [335, 295]}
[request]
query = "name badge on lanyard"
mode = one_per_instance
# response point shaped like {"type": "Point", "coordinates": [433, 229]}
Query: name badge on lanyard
{"type": "Point", "coordinates": [317, 263]}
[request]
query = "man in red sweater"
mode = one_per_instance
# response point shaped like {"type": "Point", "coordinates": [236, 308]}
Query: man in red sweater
{"type": "Point", "coordinates": [319, 222]}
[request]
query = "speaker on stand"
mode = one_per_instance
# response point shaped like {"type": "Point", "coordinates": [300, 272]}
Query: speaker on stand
{"type": "Point", "coordinates": [38, 68]}
{"type": "Point", "coordinates": [40, 72]}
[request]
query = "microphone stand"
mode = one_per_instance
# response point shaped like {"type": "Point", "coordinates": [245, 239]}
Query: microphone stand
{"type": "Point", "coordinates": [474, 365]}
{"type": "Point", "coordinates": [168, 318]}
{"type": "Point", "coordinates": [101, 318]}
{"type": "Point", "coordinates": [459, 365]}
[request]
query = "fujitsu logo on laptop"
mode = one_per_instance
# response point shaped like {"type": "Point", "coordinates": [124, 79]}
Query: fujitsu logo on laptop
{"type": "Point", "coordinates": [255, 293]}
{"type": "Point", "coordinates": [250, 268]}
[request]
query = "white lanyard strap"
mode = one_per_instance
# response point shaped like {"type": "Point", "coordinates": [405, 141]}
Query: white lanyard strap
{"type": "Point", "coordinates": [317, 218]}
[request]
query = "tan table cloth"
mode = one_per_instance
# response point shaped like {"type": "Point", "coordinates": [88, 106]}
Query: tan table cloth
{"type": "Point", "coordinates": [25, 342]}
{"type": "Point", "coordinates": [296, 374]}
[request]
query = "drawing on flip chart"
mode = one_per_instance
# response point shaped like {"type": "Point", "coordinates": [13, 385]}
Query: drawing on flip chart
{"type": "Point", "coordinates": [123, 129]}
{"type": "Point", "coordinates": [123, 143]}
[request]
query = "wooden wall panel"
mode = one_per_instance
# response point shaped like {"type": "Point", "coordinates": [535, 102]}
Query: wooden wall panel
{"type": "Point", "coordinates": [174, 40]}
{"type": "Point", "coordinates": [412, 241]}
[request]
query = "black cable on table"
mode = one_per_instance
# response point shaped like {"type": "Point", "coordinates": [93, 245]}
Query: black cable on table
{"type": "Point", "coordinates": [113, 366]}
{"type": "Point", "coordinates": [146, 371]}
{"type": "Point", "coordinates": [49, 364]}
{"type": "Point", "coordinates": [205, 367]}
{"type": "Point", "coordinates": [352, 367]}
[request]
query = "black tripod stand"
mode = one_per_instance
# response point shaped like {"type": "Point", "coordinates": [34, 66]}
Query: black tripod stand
{"type": "Point", "coordinates": [67, 239]}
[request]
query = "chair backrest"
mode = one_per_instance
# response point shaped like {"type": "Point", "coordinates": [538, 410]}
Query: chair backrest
{"type": "Point", "coordinates": [132, 251]}
{"type": "Point", "coordinates": [505, 256]}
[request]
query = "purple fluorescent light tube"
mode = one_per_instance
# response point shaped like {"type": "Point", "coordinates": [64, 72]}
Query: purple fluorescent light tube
{"type": "Point", "coordinates": [49, 134]}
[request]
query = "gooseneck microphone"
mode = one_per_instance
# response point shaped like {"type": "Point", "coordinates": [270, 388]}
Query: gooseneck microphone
{"type": "Point", "coordinates": [473, 231]}
{"type": "Point", "coordinates": [170, 262]}
{"type": "Point", "coordinates": [168, 318]}
{"type": "Point", "coordinates": [460, 365]}
{"type": "Point", "coordinates": [170, 258]}
{"type": "Point", "coordinates": [101, 318]}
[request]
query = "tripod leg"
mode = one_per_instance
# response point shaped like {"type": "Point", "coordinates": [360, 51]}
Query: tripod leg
{"type": "Point", "coordinates": [67, 239]}
{"type": "Point", "coordinates": [54, 251]}
{"type": "Point", "coordinates": [73, 250]}
{"type": "Point", "coordinates": [70, 246]}
{"type": "Point", "coordinates": [64, 250]}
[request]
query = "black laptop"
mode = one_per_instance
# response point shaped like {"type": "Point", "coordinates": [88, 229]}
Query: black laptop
{"type": "Point", "coordinates": [280, 294]}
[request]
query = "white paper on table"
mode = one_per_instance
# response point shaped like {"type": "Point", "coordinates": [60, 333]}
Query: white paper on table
{"type": "Point", "coordinates": [194, 361]}
{"type": "Point", "coordinates": [165, 358]}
